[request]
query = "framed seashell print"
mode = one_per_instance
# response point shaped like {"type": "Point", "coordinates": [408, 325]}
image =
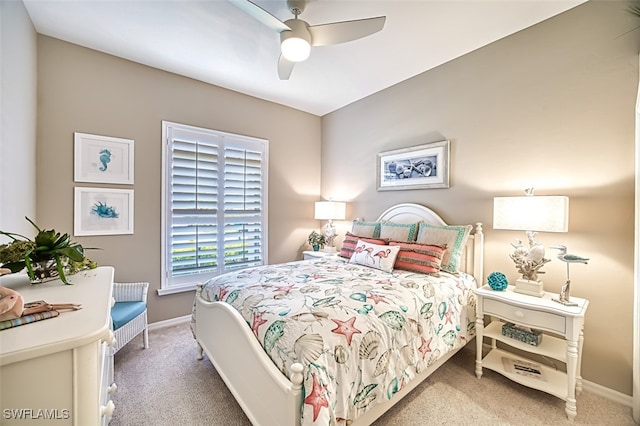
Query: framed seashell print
{"type": "Point", "coordinates": [418, 167]}
{"type": "Point", "coordinates": [102, 159]}
{"type": "Point", "coordinates": [102, 211]}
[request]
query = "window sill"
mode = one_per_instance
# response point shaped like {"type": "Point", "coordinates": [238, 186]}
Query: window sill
{"type": "Point", "coordinates": [177, 289]}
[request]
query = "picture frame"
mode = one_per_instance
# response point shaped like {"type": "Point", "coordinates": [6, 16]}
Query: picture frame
{"type": "Point", "coordinates": [419, 167]}
{"type": "Point", "coordinates": [102, 211]}
{"type": "Point", "coordinates": [103, 159]}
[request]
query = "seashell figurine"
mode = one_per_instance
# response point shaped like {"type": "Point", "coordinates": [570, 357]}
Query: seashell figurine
{"type": "Point", "coordinates": [11, 304]}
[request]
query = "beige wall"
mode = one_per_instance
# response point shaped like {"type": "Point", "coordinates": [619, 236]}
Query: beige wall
{"type": "Point", "coordinates": [81, 90]}
{"type": "Point", "coordinates": [18, 100]}
{"type": "Point", "coordinates": [550, 107]}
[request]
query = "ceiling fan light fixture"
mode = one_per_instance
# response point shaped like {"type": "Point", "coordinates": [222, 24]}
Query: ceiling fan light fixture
{"type": "Point", "coordinates": [295, 45]}
{"type": "Point", "coordinates": [295, 49]}
{"type": "Point", "coordinates": [297, 36]}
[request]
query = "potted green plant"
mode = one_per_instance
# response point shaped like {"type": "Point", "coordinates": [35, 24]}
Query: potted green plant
{"type": "Point", "coordinates": [316, 240]}
{"type": "Point", "coordinates": [49, 255]}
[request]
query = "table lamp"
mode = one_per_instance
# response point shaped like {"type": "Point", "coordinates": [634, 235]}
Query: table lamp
{"type": "Point", "coordinates": [330, 210]}
{"type": "Point", "coordinates": [532, 214]}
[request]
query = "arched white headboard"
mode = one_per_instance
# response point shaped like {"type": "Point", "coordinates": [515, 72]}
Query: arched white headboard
{"type": "Point", "coordinates": [410, 213]}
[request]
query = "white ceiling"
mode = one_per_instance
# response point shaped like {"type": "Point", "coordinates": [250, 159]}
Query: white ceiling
{"type": "Point", "coordinates": [215, 42]}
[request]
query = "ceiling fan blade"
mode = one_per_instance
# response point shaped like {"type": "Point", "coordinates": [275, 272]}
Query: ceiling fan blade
{"type": "Point", "coordinates": [285, 67]}
{"type": "Point", "coordinates": [340, 32]}
{"type": "Point", "coordinates": [260, 15]}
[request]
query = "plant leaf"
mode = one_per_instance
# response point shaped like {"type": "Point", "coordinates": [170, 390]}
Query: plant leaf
{"type": "Point", "coordinates": [27, 263]}
{"type": "Point", "coordinates": [60, 269]}
{"type": "Point", "coordinates": [14, 266]}
{"type": "Point", "coordinates": [63, 241]}
{"type": "Point", "coordinates": [33, 223]}
{"type": "Point", "coordinates": [46, 238]}
{"type": "Point", "coordinates": [75, 253]}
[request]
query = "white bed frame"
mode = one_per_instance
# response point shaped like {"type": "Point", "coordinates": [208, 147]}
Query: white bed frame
{"type": "Point", "coordinates": [264, 393]}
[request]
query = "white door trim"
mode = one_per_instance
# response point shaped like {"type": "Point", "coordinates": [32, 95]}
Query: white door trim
{"type": "Point", "coordinates": [636, 286]}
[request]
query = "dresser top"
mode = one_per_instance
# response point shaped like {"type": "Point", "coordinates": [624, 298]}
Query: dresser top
{"type": "Point", "coordinates": [91, 288]}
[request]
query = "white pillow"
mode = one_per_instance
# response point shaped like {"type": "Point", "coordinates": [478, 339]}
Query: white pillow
{"type": "Point", "coordinates": [366, 229]}
{"type": "Point", "coordinates": [376, 256]}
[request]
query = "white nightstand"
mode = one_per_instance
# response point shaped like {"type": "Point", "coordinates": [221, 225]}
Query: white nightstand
{"type": "Point", "coordinates": [310, 254]}
{"type": "Point", "coordinates": [539, 313]}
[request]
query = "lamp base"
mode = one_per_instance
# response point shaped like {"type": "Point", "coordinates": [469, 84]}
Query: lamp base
{"type": "Point", "coordinates": [565, 302]}
{"type": "Point", "coordinates": [564, 297]}
{"type": "Point", "coordinates": [532, 288]}
{"type": "Point", "coordinates": [329, 249]}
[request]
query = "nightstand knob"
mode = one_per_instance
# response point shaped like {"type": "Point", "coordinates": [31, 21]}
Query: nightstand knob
{"type": "Point", "coordinates": [519, 314]}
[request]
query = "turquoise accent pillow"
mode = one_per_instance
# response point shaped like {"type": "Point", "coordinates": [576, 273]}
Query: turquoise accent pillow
{"type": "Point", "coordinates": [403, 232]}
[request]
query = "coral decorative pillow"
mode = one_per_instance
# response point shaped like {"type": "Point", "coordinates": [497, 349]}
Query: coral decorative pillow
{"type": "Point", "coordinates": [454, 238]}
{"type": "Point", "coordinates": [399, 231]}
{"type": "Point", "coordinates": [375, 256]}
{"type": "Point", "coordinates": [350, 241]}
{"type": "Point", "coordinates": [424, 259]}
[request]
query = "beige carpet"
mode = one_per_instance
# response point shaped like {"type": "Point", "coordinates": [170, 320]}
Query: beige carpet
{"type": "Point", "coordinates": [166, 385]}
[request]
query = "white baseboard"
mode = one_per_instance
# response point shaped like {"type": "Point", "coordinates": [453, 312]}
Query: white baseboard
{"type": "Point", "coordinates": [608, 393]}
{"type": "Point", "coordinates": [170, 322]}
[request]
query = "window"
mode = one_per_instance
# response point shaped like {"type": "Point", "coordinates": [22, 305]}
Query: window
{"type": "Point", "coordinates": [214, 216]}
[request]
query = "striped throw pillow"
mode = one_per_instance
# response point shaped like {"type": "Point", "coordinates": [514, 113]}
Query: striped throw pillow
{"type": "Point", "coordinates": [421, 258]}
{"type": "Point", "coordinates": [453, 237]}
{"type": "Point", "coordinates": [350, 241]}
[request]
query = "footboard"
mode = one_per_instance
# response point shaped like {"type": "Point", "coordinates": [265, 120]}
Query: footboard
{"type": "Point", "coordinates": [266, 396]}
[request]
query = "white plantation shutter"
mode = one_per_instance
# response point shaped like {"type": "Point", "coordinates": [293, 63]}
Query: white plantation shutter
{"type": "Point", "coordinates": [214, 219]}
{"type": "Point", "coordinates": [243, 182]}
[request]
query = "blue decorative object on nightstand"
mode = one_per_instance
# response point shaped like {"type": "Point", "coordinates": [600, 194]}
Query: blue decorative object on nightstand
{"type": "Point", "coordinates": [497, 281]}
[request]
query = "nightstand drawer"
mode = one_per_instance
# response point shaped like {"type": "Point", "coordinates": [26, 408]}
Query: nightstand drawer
{"type": "Point", "coordinates": [524, 316]}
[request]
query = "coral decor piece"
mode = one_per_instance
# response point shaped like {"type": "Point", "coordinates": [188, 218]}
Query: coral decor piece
{"type": "Point", "coordinates": [529, 260]}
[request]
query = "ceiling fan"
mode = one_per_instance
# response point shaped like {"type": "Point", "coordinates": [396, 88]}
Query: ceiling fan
{"type": "Point", "coordinates": [297, 36]}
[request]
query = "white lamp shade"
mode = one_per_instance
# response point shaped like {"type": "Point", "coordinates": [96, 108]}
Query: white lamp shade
{"type": "Point", "coordinates": [295, 49]}
{"type": "Point", "coordinates": [532, 213]}
{"type": "Point", "coordinates": [295, 45]}
{"type": "Point", "coordinates": [330, 210]}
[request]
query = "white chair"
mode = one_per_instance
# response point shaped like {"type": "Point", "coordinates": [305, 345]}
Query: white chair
{"type": "Point", "coordinates": [129, 313]}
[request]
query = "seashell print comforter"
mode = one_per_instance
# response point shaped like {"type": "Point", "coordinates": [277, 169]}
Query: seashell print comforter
{"type": "Point", "coordinates": [360, 333]}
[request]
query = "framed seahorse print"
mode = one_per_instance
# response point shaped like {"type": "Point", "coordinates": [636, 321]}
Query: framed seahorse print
{"type": "Point", "coordinates": [103, 159]}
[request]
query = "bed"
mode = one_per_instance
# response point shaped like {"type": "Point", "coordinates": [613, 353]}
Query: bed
{"type": "Point", "coordinates": [335, 340]}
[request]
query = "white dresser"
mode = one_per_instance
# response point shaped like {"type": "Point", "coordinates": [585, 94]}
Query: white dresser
{"type": "Point", "coordinates": [58, 371]}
